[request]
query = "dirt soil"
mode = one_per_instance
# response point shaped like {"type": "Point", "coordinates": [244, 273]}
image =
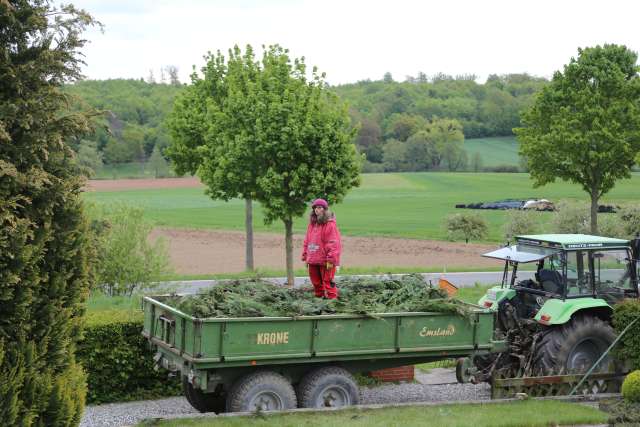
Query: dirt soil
{"type": "Point", "coordinates": [213, 251]}
{"type": "Point", "coordinates": [210, 252]}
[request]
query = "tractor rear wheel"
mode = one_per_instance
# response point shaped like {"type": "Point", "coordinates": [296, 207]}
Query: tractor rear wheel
{"type": "Point", "coordinates": [575, 347]}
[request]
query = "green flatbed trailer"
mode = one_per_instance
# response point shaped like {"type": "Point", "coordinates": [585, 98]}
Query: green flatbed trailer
{"type": "Point", "coordinates": [218, 359]}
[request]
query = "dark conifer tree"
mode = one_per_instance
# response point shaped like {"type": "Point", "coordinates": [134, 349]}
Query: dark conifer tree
{"type": "Point", "coordinates": [45, 255]}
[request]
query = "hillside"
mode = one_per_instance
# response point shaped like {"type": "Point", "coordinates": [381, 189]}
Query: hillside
{"type": "Point", "coordinates": [408, 114]}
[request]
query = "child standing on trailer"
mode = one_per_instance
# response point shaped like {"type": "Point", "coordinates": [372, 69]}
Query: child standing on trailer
{"type": "Point", "coordinates": [321, 249]}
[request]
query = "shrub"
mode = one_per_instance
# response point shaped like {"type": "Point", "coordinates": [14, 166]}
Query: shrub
{"type": "Point", "coordinates": [118, 362]}
{"type": "Point", "coordinates": [630, 220]}
{"type": "Point", "coordinates": [370, 167]}
{"type": "Point", "coordinates": [609, 225]}
{"type": "Point", "coordinates": [631, 387]}
{"type": "Point", "coordinates": [467, 226]}
{"type": "Point", "coordinates": [502, 169]}
{"type": "Point", "coordinates": [520, 222]}
{"type": "Point", "coordinates": [127, 261]}
{"type": "Point", "coordinates": [571, 217]}
{"type": "Point", "coordinates": [628, 349]}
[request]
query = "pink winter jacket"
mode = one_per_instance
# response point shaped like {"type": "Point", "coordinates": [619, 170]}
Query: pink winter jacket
{"type": "Point", "coordinates": [322, 243]}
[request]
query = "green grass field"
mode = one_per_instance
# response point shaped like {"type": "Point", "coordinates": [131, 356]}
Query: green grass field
{"type": "Point", "coordinates": [412, 205]}
{"type": "Point", "coordinates": [531, 413]}
{"type": "Point", "coordinates": [495, 151]}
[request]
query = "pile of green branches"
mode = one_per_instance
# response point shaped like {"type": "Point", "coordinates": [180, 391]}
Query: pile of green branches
{"type": "Point", "coordinates": [258, 298]}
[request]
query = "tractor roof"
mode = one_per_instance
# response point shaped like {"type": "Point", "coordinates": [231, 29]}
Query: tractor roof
{"type": "Point", "coordinates": [538, 246]}
{"type": "Point", "coordinates": [571, 241]}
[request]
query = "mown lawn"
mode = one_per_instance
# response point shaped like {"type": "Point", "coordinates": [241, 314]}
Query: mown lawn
{"type": "Point", "coordinates": [412, 205]}
{"type": "Point", "coordinates": [514, 414]}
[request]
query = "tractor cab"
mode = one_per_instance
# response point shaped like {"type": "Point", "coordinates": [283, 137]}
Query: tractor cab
{"type": "Point", "coordinates": [571, 272]}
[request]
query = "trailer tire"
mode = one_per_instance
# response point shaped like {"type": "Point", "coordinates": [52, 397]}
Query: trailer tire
{"type": "Point", "coordinates": [261, 391]}
{"type": "Point", "coordinates": [574, 347]}
{"type": "Point", "coordinates": [328, 387]}
{"type": "Point", "coordinates": [201, 401]}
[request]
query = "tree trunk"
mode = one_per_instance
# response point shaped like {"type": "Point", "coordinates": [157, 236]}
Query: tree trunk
{"type": "Point", "coordinates": [288, 226]}
{"type": "Point", "coordinates": [248, 226]}
{"type": "Point", "coordinates": [594, 211]}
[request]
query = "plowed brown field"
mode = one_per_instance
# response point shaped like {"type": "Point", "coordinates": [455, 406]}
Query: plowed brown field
{"type": "Point", "coordinates": [213, 251]}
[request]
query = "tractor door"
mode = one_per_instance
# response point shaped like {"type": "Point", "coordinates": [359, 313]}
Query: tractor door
{"type": "Point", "coordinates": [578, 273]}
{"type": "Point", "coordinates": [613, 275]}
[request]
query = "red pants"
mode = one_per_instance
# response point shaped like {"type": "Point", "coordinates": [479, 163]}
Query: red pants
{"type": "Point", "coordinates": [322, 280]}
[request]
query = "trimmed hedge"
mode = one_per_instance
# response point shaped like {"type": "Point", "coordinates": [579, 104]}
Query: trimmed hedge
{"type": "Point", "coordinates": [118, 361]}
{"type": "Point", "coordinates": [631, 387]}
{"type": "Point", "coordinates": [628, 349]}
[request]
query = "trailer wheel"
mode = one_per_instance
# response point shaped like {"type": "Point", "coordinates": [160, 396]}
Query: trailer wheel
{"type": "Point", "coordinates": [328, 387]}
{"type": "Point", "coordinates": [203, 402]}
{"type": "Point", "coordinates": [261, 391]}
{"type": "Point", "coordinates": [575, 346]}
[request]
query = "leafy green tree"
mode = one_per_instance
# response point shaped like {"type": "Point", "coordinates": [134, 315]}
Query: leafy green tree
{"type": "Point", "coordinates": [45, 252]}
{"type": "Point", "coordinates": [89, 158]}
{"type": "Point", "coordinates": [133, 138]}
{"type": "Point", "coordinates": [476, 162]}
{"type": "Point", "coordinates": [419, 151]}
{"type": "Point", "coordinates": [454, 156]}
{"type": "Point", "coordinates": [118, 151]}
{"type": "Point", "coordinates": [467, 226]}
{"type": "Point", "coordinates": [213, 131]}
{"type": "Point", "coordinates": [369, 133]}
{"type": "Point", "coordinates": [158, 163]}
{"type": "Point", "coordinates": [374, 153]}
{"type": "Point", "coordinates": [305, 147]}
{"type": "Point", "coordinates": [585, 126]}
{"type": "Point", "coordinates": [447, 139]}
{"type": "Point", "coordinates": [394, 156]}
{"type": "Point", "coordinates": [402, 126]}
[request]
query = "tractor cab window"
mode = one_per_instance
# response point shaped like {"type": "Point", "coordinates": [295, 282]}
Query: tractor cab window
{"type": "Point", "coordinates": [549, 274]}
{"type": "Point", "coordinates": [612, 274]}
{"type": "Point", "coordinates": [578, 274]}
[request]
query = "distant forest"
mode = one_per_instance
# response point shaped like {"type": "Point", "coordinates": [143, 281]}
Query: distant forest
{"type": "Point", "coordinates": [418, 124]}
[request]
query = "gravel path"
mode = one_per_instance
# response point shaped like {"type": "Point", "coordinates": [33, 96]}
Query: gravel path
{"type": "Point", "coordinates": [126, 414]}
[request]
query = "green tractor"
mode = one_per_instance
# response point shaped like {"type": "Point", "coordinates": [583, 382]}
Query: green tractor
{"type": "Point", "coordinates": [558, 321]}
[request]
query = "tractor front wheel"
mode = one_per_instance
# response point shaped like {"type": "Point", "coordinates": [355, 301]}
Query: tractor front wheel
{"type": "Point", "coordinates": [574, 347]}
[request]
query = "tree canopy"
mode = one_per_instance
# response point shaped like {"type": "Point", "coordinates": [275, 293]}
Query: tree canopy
{"type": "Point", "coordinates": [305, 138]}
{"type": "Point", "coordinates": [213, 131]}
{"type": "Point", "coordinates": [584, 127]}
{"type": "Point", "coordinates": [263, 131]}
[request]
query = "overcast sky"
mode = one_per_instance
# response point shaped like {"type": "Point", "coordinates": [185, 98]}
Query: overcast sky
{"type": "Point", "coordinates": [354, 40]}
